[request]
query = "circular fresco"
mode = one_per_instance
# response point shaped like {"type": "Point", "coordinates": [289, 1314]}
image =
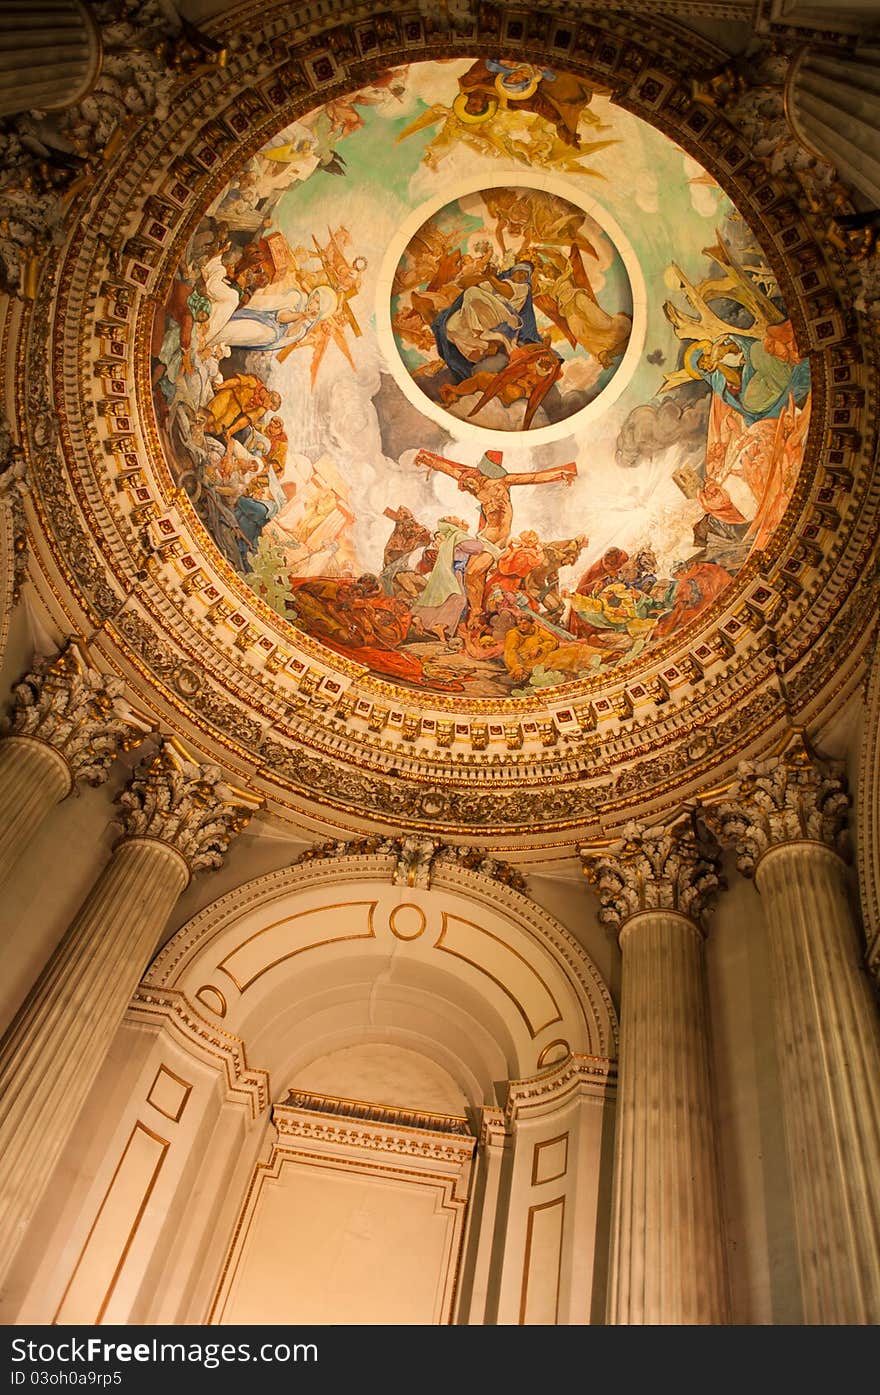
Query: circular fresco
{"type": "Point", "coordinates": [511, 308]}
{"type": "Point", "coordinates": [480, 381]}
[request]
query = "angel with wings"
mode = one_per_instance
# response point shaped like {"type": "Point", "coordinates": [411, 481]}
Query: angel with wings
{"type": "Point", "coordinates": [753, 368]}
{"type": "Point", "coordinates": [563, 293]}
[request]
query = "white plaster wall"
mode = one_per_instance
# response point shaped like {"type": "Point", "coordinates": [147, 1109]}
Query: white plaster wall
{"type": "Point", "coordinates": [332, 1246]}
{"type": "Point", "coordinates": [383, 1073]}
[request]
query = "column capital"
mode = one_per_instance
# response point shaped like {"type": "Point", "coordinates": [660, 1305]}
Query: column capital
{"type": "Point", "coordinates": [69, 705]}
{"type": "Point", "coordinates": [675, 867]}
{"type": "Point", "coordinates": [173, 798]}
{"type": "Point", "coordinates": [793, 796]}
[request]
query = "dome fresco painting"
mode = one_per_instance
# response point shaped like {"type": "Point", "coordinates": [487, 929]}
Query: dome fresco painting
{"type": "Point", "coordinates": [480, 380]}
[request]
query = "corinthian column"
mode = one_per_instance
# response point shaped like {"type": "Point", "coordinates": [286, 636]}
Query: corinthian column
{"type": "Point", "coordinates": [178, 818]}
{"type": "Point", "coordinates": [69, 723]}
{"type": "Point", "coordinates": [667, 1245]}
{"type": "Point", "coordinates": [788, 824]}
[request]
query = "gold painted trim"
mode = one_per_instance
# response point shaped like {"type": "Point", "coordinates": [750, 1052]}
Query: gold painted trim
{"type": "Point", "coordinates": [187, 1091]}
{"type": "Point", "coordinates": [438, 944]}
{"type": "Point", "coordinates": [368, 1111]}
{"type": "Point", "coordinates": [543, 1063]}
{"type": "Point", "coordinates": [536, 1157]}
{"type": "Point", "coordinates": [210, 988]}
{"type": "Point", "coordinates": [166, 1144]}
{"type": "Point", "coordinates": [406, 906]}
{"type": "Point", "coordinates": [533, 1210]}
{"type": "Point", "coordinates": [317, 944]}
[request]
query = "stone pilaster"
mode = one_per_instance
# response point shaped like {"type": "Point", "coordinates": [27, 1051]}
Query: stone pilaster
{"type": "Point", "coordinates": [179, 817]}
{"type": "Point", "coordinates": [69, 723]}
{"type": "Point", "coordinates": [788, 824]}
{"type": "Point", "coordinates": [667, 1251]}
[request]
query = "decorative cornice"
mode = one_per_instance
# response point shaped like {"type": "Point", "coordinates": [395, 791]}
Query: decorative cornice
{"type": "Point", "coordinates": [80, 712]}
{"type": "Point", "coordinates": [790, 797]}
{"type": "Point", "coordinates": [168, 1007]}
{"type": "Point", "coordinates": [493, 1127]}
{"type": "Point", "coordinates": [187, 805]}
{"type": "Point", "coordinates": [377, 1113]}
{"type": "Point", "coordinates": [675, 868]}
{"type": "Point", "coordinates": [295, 1123]}
{"type": "Point", "coordinates": [591, 1076]}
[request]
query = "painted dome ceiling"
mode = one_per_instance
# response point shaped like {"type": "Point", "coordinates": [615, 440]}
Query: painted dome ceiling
{"type": "Point", "coordinates": [433, 444]}
{"type": "Point", "coordinates": [478, 381]}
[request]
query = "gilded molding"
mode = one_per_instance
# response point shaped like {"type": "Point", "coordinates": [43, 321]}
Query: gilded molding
{"type": "Point", "coordinates": [417, 858]}
{"type": "Point", "coordinates": [166, 1007]}
{"type": "Point", "coordinates": [376, 1113]}
{"type": "Point", "coordinates": [294, 1122]}
{"type": "Point", "coordinates": [586, 1076]}
{"type": "Point", "coordinates": [493, 1127]}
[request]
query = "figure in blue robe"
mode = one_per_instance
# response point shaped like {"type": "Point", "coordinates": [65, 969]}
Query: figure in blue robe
{"type": "Point", "coordinates": [475, 324]}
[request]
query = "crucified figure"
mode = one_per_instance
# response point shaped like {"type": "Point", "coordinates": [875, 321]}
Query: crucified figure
{"type": "Point", "coordinates": [492, 492]}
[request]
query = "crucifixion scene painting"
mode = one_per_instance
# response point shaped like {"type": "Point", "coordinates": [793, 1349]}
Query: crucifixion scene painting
{"type": "Point", "coordinates": [480, 382]}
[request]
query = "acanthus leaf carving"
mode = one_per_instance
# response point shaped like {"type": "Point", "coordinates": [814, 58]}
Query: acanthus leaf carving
{"type": "Point", "coordinates": [416, 859]}
{"type": "Point", "coordinates": [67, 703]}
{"type": "Point", "coordinates": [178, 801]}
{"type": "Point", "coordinates": [675, 868]}
{"type": "Point", "coordinates": [789, 797]}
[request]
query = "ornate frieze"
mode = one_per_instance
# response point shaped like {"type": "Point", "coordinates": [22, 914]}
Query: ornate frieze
{"type": "Point", "coordinates": [785, 798]}
{"type": "Point", "coordinates": [593, 1076]}
{"type": "Point", "coordinates": [81, 712]}
{"type": "Point", "coordinates": [675, 868]}
{"type": "Point", "coordinates": [377, 1113]}
{"type": "Point", "coordinates": [178, 801]}
{"type": "Point", "coordinates": [417, 858]}
{"type": "Point", "coordinates": [294, 1122]}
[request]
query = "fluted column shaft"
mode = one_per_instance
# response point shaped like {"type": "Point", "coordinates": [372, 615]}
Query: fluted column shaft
{"type": "Point", "coordinates": [833, 106]}
{"type": "Point", "coordinates": [667, 1259]}
{"type": "Point", "coordinates": [50, 54]}
{"type": "Point", "coordinates": [33, 778]}
{"type": "Point", "coordinates": [828, 1040]}
{"type": "Point", "coordinates": [54, 1049]}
